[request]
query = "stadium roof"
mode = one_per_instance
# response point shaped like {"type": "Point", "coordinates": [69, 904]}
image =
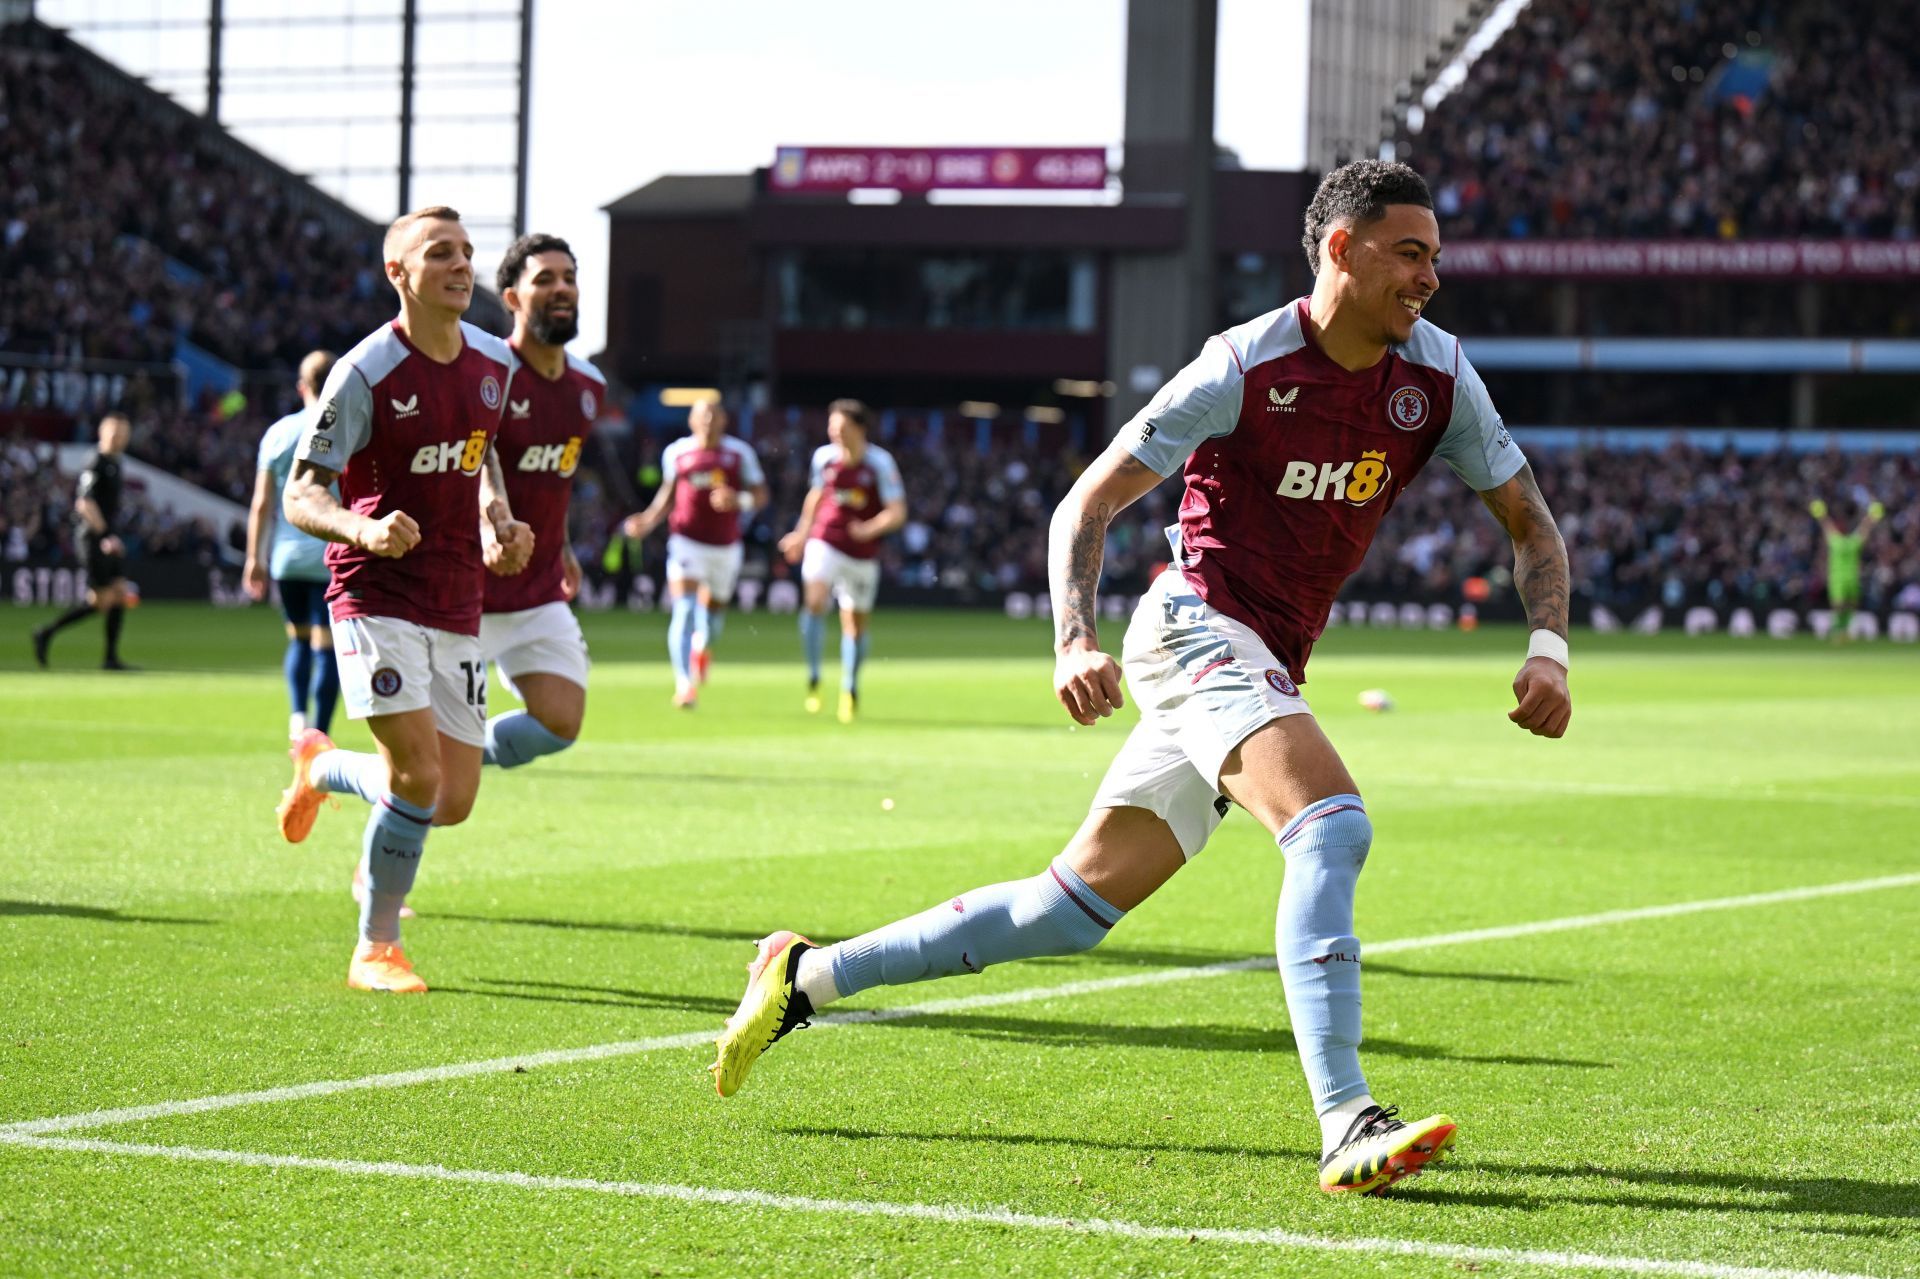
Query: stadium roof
{"type": "Point", "coordinates": [688, 193]}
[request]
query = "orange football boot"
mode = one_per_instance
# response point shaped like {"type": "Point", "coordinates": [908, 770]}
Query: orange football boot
{"type": "Point", "coordinates": [300, 802]}
{"type": "Point", "coordinates": [383, 966]}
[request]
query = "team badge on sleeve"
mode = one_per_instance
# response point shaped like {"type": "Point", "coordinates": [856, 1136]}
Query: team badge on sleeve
{"type": "Point", "coordinates": [1408, 408]}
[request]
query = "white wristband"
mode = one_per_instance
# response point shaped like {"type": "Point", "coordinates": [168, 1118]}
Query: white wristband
{"type": "Point", "coordinates": [1547, 644]}
{"type": "Point", "coordinates": [746, 502]}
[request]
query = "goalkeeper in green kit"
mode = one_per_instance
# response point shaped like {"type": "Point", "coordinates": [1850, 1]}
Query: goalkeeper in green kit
{"type": "Point", "coordinates": [1843, 564]}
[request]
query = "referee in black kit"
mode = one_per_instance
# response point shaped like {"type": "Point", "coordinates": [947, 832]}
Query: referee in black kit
{"type": "Point", "coordinates": [96, 513]}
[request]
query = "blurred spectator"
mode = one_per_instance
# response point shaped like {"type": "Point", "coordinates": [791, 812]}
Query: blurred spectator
{"type": "Point", "coordinates": [1727, 119]}
{"type": "Point", "coordinates": [36, 515]}
{"type": "Point", "coordinates": [119, 229]}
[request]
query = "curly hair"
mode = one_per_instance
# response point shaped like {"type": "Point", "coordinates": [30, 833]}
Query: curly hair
{"type": "Point", "coordinates": [1358, 193]}
{"type": "Point", "coordinates": [523, 248]}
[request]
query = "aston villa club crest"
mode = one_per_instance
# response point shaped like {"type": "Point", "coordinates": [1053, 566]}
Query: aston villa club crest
{"type": "Point", "coordinates": [1281, 684]}
{"type": "Point", "coordinates": [490, 391]}
{"type": "Point", "coordinates": [1408, 408]}
{"type": "Point", "coordinates": [588, 405]}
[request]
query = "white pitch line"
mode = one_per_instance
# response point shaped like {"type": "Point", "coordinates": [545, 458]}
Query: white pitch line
{"type": "Point", "coordinates": [689, 1039]}
{"type": "Point", "coordinates": [947, 1214]}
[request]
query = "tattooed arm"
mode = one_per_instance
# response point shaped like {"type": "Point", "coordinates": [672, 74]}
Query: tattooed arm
{"type": "Point", "coordinates": [1540, 575]}
{"type": "Point", "coordinates": [506, 543]}
{"type": "Point", "coordinates": [1085, 679]}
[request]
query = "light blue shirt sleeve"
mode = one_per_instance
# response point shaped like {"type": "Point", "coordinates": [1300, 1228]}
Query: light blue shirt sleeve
{"type": "Point", "coordinates": [670, 461]}
{"type": "Point", "coordinates": [1476, 443]}
{"type": "Point", "coordinates": [750, 472]}
{"type": "Point", "coordinates": [818, 474]}
{"type": "Point", "coordinates": [1201, 403]}
{"type": "Point", "coordinates": [342, 420]}
{"type": "Point", "coordinates": [263, 460]}
{"type": "Point", "coordinates": [886, 473]}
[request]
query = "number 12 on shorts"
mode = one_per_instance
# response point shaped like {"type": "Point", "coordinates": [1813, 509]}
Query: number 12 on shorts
{"type": "Point", "coordinates": [476, 673]}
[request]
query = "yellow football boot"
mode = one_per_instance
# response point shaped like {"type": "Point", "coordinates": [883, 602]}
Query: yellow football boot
{"type": "Point", "coordinates": [1380, 1150]}
{"type": "Point", "coordinates": [849, 704]}
{"type": "Point", "coordinates": [770, 1008]}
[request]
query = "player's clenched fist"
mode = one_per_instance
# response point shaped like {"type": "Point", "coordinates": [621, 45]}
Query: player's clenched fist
{"type": "Point", "coordinates": [792, 545]}
{"type": "Point", "coordinates": [1544, 706]}
{"type": "Point", "coordinates": [392, 536]}
{"type": "Point", "coordinates": [510, 547]}
{"type": "Point", "coordinates": [1087, 682]}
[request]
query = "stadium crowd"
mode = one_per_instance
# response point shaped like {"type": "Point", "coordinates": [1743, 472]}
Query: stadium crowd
{"type": "Point", "coordinates": [1712, 118]}
{"type": "Point", "coordinates": [120, 230]}
{"type": "Point", "coordinates": [1675, 526]}
{"type": "Point", "coordinates": [37, 521]}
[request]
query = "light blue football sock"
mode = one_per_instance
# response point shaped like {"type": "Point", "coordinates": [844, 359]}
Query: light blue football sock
{"type": "Point", "coordinates": [357, 771]}
{"type": "Point", "coordinates": [396, 835]}
{"type": "Point", "coordinates": [680, 639]}
{"type": "Point", "coordinates": [702, 618]}
{"type": "Point", "coordinates": [298, 667]}
{"type": "Point", "coordinates": [1325, 846]}
{"type": "Point", "coordinates": [853, 653]}
{"type": "Point", "coordinates": [325, 688]}
{"type": "Point", "coordinates": [813, 638]}
{"type": "Point", "coordinates": [1054, 913]}
{"type": "Point", "coordinates": [709, 635]}
{"type": "Point", "coordinates": [517, 738]}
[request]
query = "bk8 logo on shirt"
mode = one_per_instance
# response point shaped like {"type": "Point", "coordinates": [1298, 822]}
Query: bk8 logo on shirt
{"type": "Point", "coordinates": [552, 457]}
{"type": "Point", "coordinates": [464, 456]}
{"type": "Point", "coordinates": [1355, 483]}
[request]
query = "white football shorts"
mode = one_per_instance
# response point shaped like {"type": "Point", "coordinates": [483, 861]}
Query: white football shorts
{"type": "Point", "coordinates": [715, 567]}
{"type": "Point", "coordinates": [388, 666]}
{"type": "Point", "coordinates": [1204, 683]}
{"type": "Point", "coordinates": [544, 640]}
{"type": "Point", "coordinates": [856, 583]}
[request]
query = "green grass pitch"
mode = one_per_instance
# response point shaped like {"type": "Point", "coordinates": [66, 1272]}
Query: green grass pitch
{"type": "Point", "coordinates": [1733, 1088]}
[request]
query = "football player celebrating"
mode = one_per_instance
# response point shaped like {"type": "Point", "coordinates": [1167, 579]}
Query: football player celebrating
{"type": "Point", "coordinates": [527, 630]}
{"type": "Point", "coordinates": [406, 425]}
{"type": "Point", "coordinates": [709, 480]}
{"type": "Point", "coordinates": [1296, 432]}
{"type": "Point", "coordinates": [855, 500]}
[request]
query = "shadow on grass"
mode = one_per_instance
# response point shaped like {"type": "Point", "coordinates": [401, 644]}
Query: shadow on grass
{"type": "Point", "coordinates": [557, 992]}
{"type": "Point", "coordinates": [644, 927]}
{"type": "Point", "coordinates": [1199, 1038]}
{"type": "Point", "coordinates": [104, 914]}
{"type": "Point", "coordinates": [1644, 1188]}
{"type": "Point", "coordinates": [1046, 1139]}
{"type": "Point", "coordinates": [757, 780]}
{"type": "Point", "coordinates": [1144, 957]}
{"type": "Point", "coordinates": [1375, 968]}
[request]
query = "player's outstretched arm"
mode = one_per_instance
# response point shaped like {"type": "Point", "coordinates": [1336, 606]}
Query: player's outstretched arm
{"type": "Point", "coordinates": [1085, 679]}
{"type": "Point", "coordinates": [311, 507]}
{"type": "Point", "coordinates": [794, 543]}
{"type": "Point", "coordinates": [506, 544]}
{"type": "Point", "coordinates": [1540, 572]}
{"type": "Point", "coordinates": [892, 516]}
{"type": "Point", "coordinates": [253, 575]}
{"type": "Point", "coordinates": [644, 522]}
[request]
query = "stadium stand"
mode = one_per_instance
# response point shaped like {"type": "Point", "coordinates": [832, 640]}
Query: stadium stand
{"type": "Point", "coordinates": [36, 515]}
{"type": "Point", "coordinates": [1715, 118]}
{"type": "Point", "coordinates": [1673, 523]}
{"type": "Point", "coordinates": [124, 231]}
